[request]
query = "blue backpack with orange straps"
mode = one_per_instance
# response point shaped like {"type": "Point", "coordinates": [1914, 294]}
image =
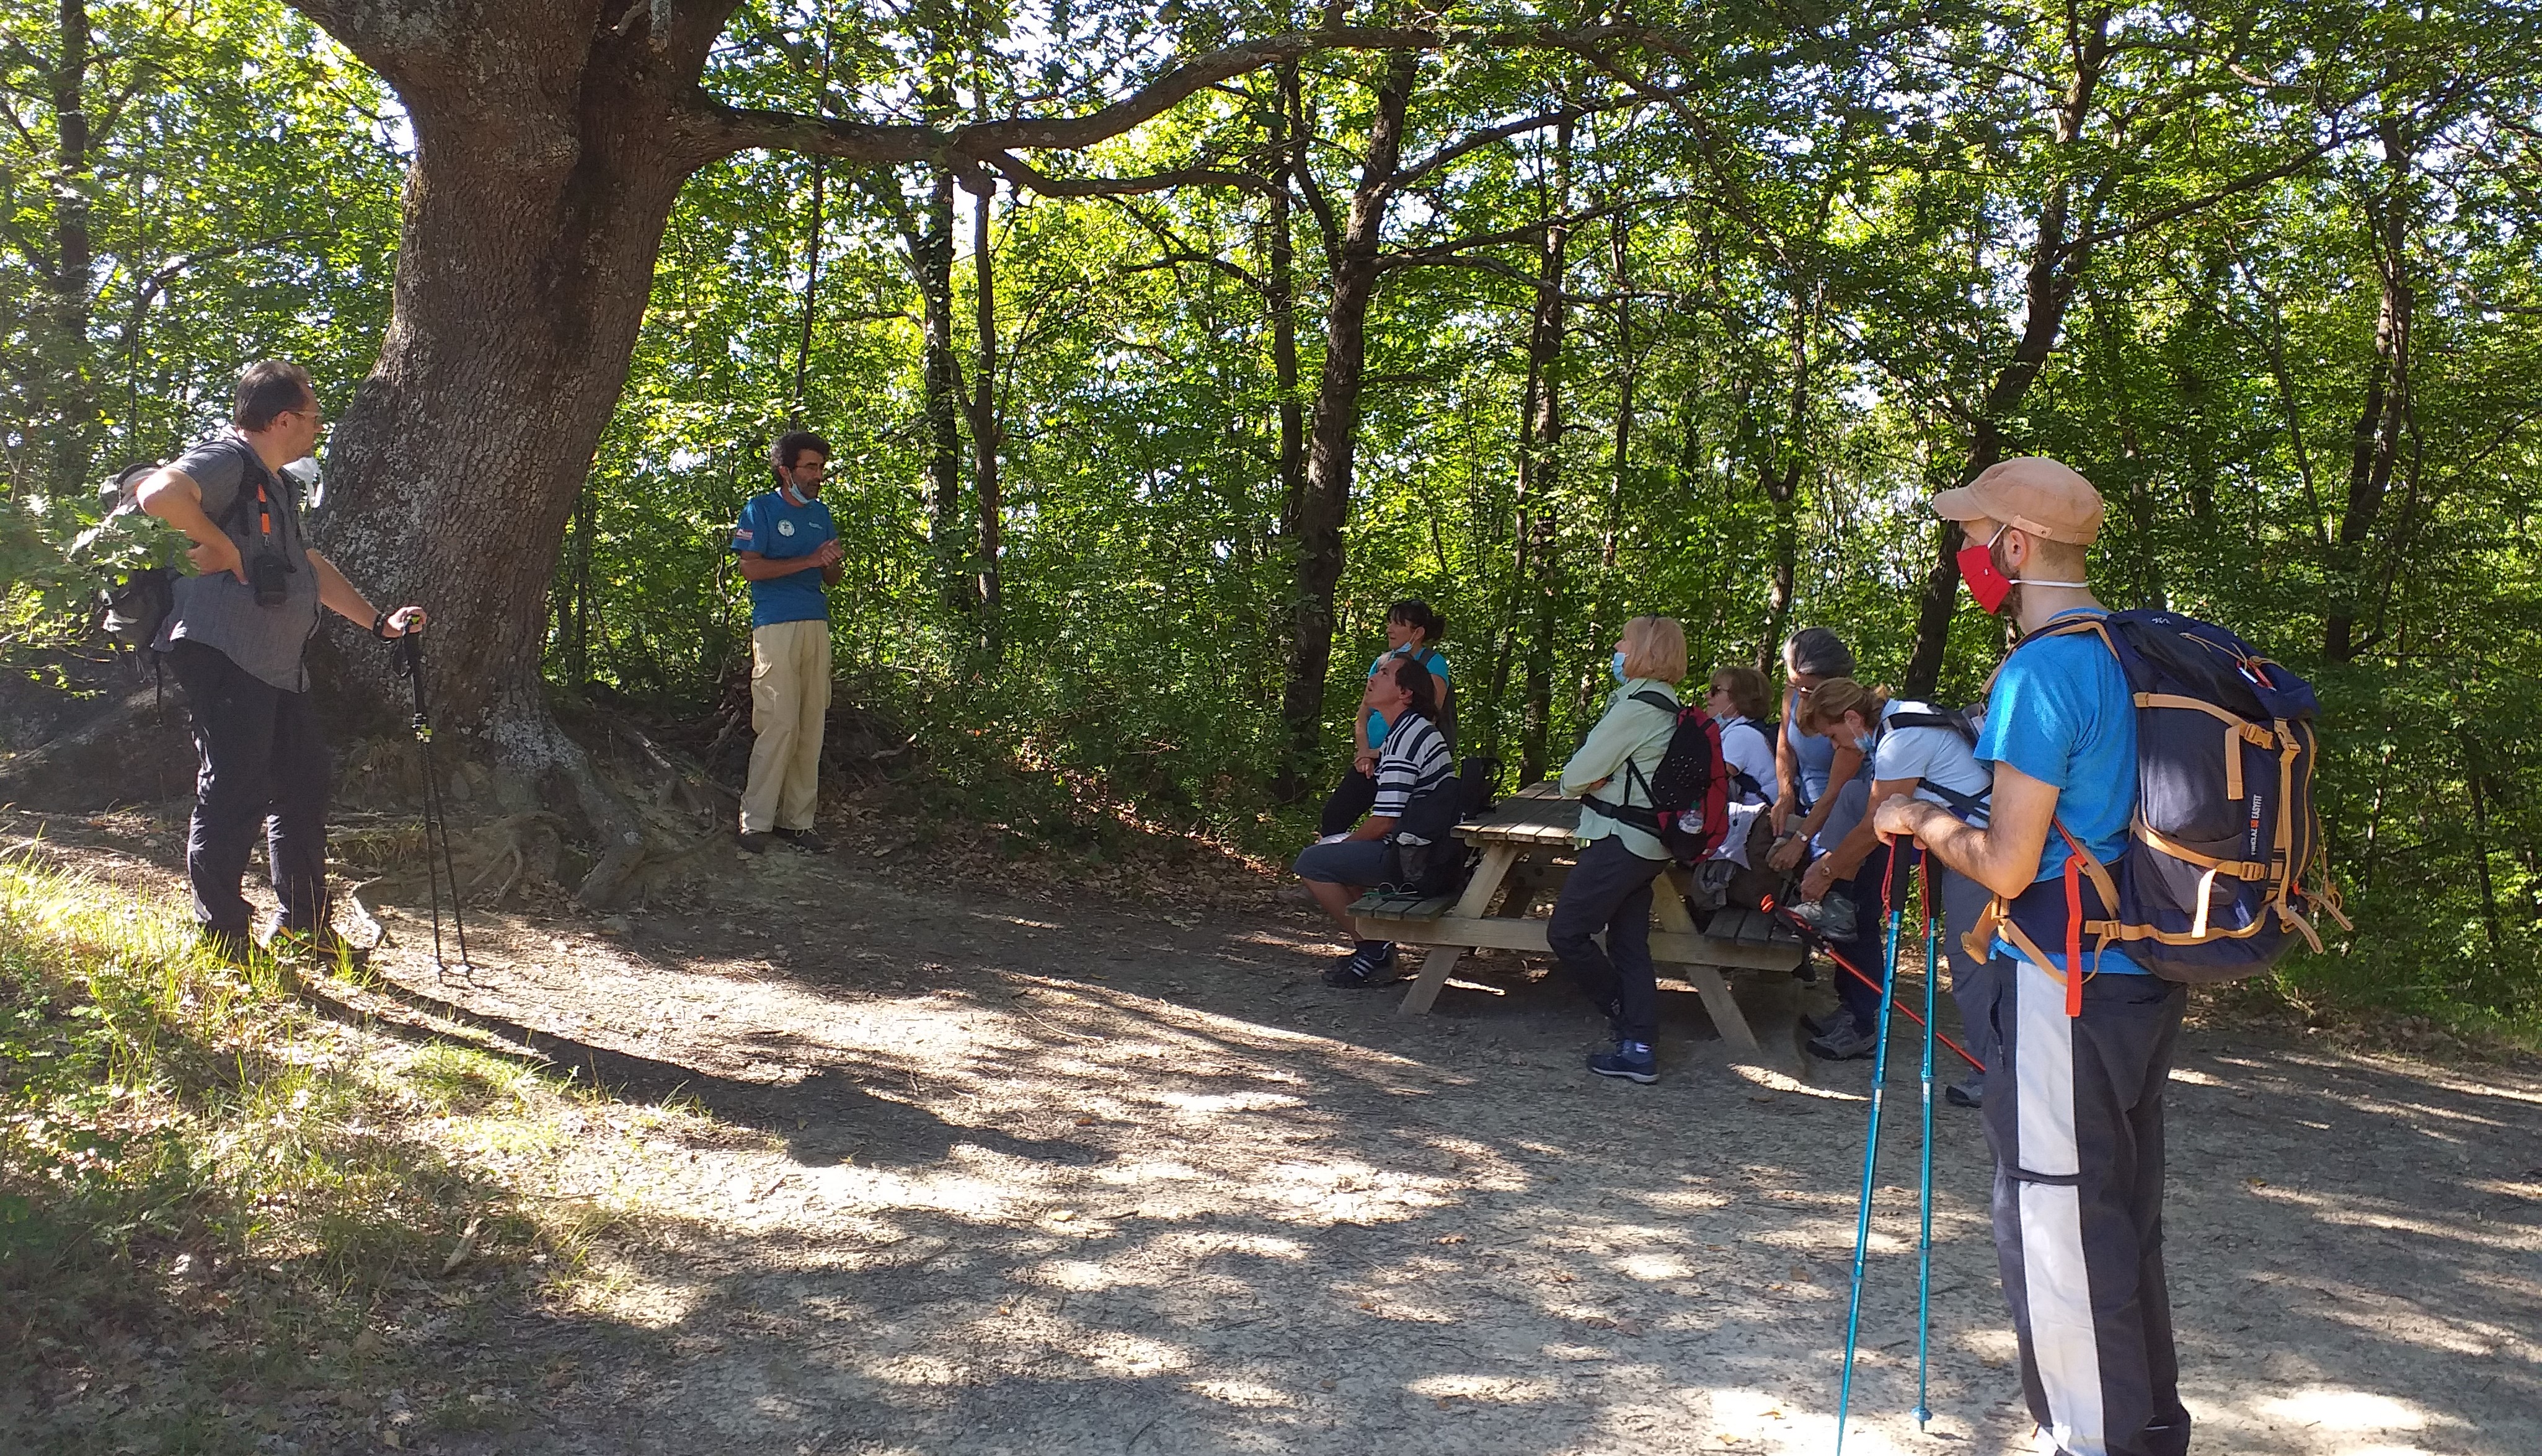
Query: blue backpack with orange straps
{"type": "Point", "coordinates": [2224, 871]}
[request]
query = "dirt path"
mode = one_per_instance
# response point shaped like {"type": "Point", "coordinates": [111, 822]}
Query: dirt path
{"type": "Point", "coordinates": [1009, 1177]}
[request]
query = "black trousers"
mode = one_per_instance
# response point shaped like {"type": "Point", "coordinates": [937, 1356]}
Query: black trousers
{"type": "Point", "coordinates": [1610, 890]}
{"type": "Point", "coordinates": [262, 764]}
{"type": "Point", "coordinates": [2074, 1116]}
{"type": "Point", "coordinates": [1869, 948]}
{"type": "Point", "coordinates": [1348, 803]}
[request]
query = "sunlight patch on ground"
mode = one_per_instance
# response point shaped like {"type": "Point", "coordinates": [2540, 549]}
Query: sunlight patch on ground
{"type": "Point", "coordinates": [1774, 1081]}
{"type": "Point", "coordinates": [1500, 1388]}
{"type": "Point", "coordinates": [2332, 1409]}
{"type": "Point", "coordinates": [1119, 1352]}
{"type": "Point", "coordinates": [1249, 1393]}
{"type": "Point", "coordinates": [2196, 1079]}
{"type": "Point", "coordinates": [2334, 1211]}
{"type": "Point", "coordinates": [1209, 1103]}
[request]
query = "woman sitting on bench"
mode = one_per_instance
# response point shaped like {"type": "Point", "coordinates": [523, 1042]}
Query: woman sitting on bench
{"type": "Point", "coordinates": [1412, 761]}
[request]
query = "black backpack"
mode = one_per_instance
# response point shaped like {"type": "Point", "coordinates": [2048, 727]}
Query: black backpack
{"type": "Point", "coordinates": [137, 590]}
{"type": "Point", "coordinates": [1689, 791]}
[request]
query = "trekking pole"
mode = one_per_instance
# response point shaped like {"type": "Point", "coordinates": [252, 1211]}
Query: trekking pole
{"type": "Point", "coordinates": [1775, 908]}
{"type": "Point", "coordinates": [409, 649]}
{"type": "Point", "coordinates": [1890, 893]}
{"type": "Point", "coordinates": [1924, 1184]}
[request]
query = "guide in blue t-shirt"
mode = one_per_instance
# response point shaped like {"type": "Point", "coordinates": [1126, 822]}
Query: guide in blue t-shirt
{"type": "Point", "coordinates": [2073, 1097]}
{"type": "Point", "coordinates": [781, 526]}
{"type": "Point", "coordinates": [789, 549]}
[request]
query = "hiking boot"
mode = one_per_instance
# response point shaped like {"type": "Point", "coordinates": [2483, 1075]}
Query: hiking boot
{"type": "Point", "coordinates": [1969, 1093]}
{"type": "Point", "coordinates": [805, 841]}
{"type": "Point", "coordinates": [1844, 1042]}
{"type": "Point", "coordinates": [1634, 1061]}
{"type": "Point", "coordinates": [1829, 917]}
{"type": "Point", "coordinates": [1826, 1021]}
{"type": "Point", "coordinates": [754, 841]}
{"type": "Point", "coordinates": [1373, 964]}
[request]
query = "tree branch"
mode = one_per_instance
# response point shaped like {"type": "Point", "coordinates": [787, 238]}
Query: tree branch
{"type": "Point", "coordinates": [1025, 174]}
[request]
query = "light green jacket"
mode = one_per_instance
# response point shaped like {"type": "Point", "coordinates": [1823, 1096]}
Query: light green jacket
{"type": "Point", "coordinates": [1631, 730]}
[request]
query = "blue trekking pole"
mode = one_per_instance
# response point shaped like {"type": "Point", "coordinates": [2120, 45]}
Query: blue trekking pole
{"type": "Point", "coordinates": [1924, 1189]}
{"type": "Point", "coordinates": [1891, 893]}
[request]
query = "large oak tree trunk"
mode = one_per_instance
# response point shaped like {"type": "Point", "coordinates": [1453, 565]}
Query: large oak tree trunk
{"type": "Point", "coordinates": [1333, 438]}
{"type": "Point", "coordinates": [547, 157]}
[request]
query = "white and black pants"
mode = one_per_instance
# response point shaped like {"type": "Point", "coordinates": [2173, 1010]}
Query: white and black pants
{"type": "Point", "coordinates": [2074, 1116]}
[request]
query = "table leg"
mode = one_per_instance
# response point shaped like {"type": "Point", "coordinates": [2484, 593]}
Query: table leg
{"type": "Point", "coordinates": [1442, 959]}
{"type": "Point", "coordinates": [1669, 909]}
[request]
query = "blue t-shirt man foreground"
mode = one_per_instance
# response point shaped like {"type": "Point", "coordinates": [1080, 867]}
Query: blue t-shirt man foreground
{"type": "Point", "coordinates": [2075, 1113]}
{"type": "Point", "coordinates": [789, 549]}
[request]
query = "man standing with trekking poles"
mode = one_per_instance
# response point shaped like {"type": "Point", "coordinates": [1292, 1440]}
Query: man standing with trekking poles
{"type": "Point", "coordinates": [2074, 1116]}
{"type": "Point", "coordinates": [235, 639]}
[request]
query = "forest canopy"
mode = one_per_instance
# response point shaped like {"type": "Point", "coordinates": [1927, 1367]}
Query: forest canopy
{"type": "Point", "coordinates": [1547, 318]}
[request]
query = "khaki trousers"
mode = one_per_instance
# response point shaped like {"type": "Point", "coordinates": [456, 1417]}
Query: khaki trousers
{"type": "Point", "coordinates": [789, 700]}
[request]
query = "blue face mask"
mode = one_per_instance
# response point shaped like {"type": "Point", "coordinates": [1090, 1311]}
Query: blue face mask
{"type": "Point", "coordinates": [1616, 666]}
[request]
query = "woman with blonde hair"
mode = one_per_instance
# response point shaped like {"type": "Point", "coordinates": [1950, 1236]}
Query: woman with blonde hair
{"type": "Point", "coordinates": [1609, 886]}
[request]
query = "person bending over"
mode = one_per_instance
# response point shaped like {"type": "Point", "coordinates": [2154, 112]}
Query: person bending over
{"type": "Point", "coordinates": [1411, 761]}
{"type": "Point", "coordinates": [2076, 1115]}
{"type": "Point", "coordinates": [233, 638]}
{"type": "Point", "coordinates": [789, 549]}
{"type": "Point", "coordinates": [1412, 631]}
{"type": "Point", "coordinates": [1913, 753]}
{"type": "Point", "coordinates": [1810, 770]}
{"type": "Point", "coordinates": [1609, 885]}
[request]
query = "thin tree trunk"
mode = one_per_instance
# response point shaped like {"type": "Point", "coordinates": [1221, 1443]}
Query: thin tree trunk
{"type": "Point", "coordinates": [1332, 439]}
{"type": "Point", "coordinates": [1779, 477]}
{"type": "Point", "coordinates": [811, 291]}
{"type": "Point", "coordinates": [74, 410]}
{"type": "Point", "coordinates": [987, 433]}
{"type": "Point", "coordinates": [933, 257]}
{"type": "Point", "coordinates": [1542, 464]}
{"type": "Point", "coordinates": [1288, 147]}
{"type": "Point", "coordinates": [2057, 263]}
{"type": "Point", "coordinates": [1506, 622]}
{"type": "Point", "coordinates": [2376, 448]}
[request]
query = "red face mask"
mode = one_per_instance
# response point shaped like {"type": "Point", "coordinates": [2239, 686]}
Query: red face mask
{"type": "Point", "coordinates": [1988, 586]}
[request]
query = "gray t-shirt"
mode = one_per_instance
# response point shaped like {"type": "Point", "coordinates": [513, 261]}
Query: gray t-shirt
{"type": "Point", "coordinates": [1934, 754]}
{"type": "Point", "coordinates": [219, 609]}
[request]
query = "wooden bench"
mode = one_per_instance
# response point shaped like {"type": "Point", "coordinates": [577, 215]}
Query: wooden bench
{"type": "Point", "coordinates": [1523, 841]}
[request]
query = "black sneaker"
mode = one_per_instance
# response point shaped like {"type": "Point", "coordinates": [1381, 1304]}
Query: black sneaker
{"type": "Point", "coordinates": [1624, 1061]}
{"type": "Point", "coordinates": [1844, 1042]}
{"type": "Point", "coordinates": [1364, 968]}
{"type": "Point", "coordinates": [1969, 1093]}
{"type": "Point", "coordinates": [805, 841]}
{"type": "Point", "coordinates": [754, 841]}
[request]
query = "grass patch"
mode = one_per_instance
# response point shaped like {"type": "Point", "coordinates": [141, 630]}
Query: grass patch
{"type": "Point", "coordinates": [223, 1216]}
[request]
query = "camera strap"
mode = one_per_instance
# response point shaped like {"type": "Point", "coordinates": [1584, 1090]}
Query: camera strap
{"type": "Point", "coordinates": [261, 522]}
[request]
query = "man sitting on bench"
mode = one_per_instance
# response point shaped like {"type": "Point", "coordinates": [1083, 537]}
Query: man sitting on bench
{"type": "Point", "coordinates": [1413, 760]}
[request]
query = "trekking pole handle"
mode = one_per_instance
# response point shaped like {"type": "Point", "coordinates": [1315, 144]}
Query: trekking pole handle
{"type": "Point", "coordinates": [409, 651]}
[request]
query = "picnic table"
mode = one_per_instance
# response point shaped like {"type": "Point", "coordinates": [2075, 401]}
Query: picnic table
{"type": "Point", "coordinates": [1527, 842]}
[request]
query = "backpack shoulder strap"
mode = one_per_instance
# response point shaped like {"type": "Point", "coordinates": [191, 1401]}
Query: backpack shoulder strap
{"type": "Point", "coordinates": [2062, 628]}
{"type": "Point", "coordinates": [1653, 697]}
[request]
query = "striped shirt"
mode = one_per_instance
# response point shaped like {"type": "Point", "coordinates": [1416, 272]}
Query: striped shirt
{"type": "Point", "coordinates": [1413, 760]}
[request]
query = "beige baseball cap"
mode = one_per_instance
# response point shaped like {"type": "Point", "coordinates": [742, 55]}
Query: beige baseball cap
{"type": "Point", "coordinates": [2030, 493]}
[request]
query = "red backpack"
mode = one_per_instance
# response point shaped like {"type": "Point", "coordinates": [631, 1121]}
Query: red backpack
{"type": "Point", "coordinates": [1690, 792]}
